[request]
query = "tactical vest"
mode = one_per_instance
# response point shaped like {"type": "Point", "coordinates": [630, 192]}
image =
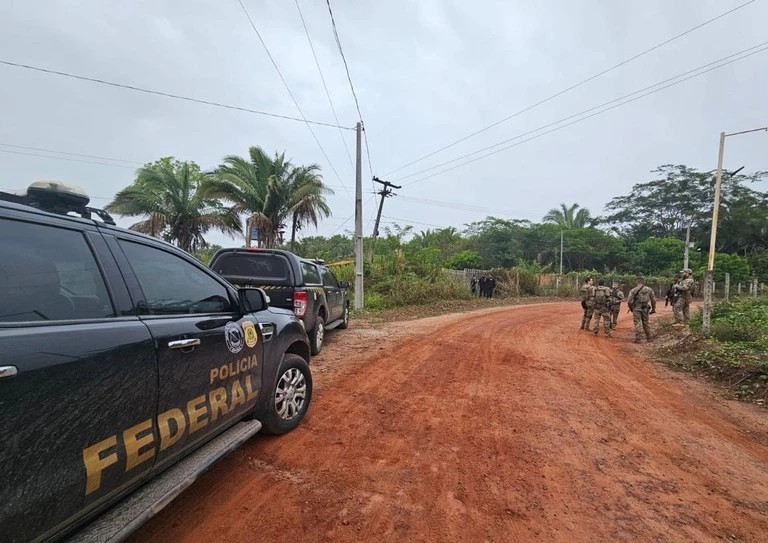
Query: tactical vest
{"type": "Point", "coordinates": [643, 296]}
{"type": "Point", "coordinates": [601, 296]}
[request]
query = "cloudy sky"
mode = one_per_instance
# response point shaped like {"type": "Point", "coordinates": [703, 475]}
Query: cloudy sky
{"type": "Point", "coordinates": [427, 73]}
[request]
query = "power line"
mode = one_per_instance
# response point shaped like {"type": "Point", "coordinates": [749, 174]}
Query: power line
{"type": "Point", "coordinates": [411, 222]}
{"type": "Point", "coordinates": [721, 65]}
{"type": "Point", "coordinates": [351, 216]}
{"type": "Point", "coordinates": [352, 88]}
{"type": "Point", "coordinates": [12, 152]}
{"type": "Point", "coordinates": [341, 52]}
{"type": "Point", "coordinates": [325, 86]}
{"type": "Point", "coordinates": [28, 148]}
{"type": "Point", "coordinates": [572, 87]}
{"type": "Point", "coordinates": [559, 121]}
{"type": "Point", "coordinates": [290, 93]}
{"type": "Point", "coordinates": [456, 205]}
{"type": "Point", "coordinates": [165, 94]}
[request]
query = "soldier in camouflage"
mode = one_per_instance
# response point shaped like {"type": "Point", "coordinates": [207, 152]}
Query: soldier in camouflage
{"type": "Point", "coordinates": [641, 303]}
{"type": "Point", "coordinates": [587, 302]}
{"type": "Point", "coordinates": [602, 308]}
{"type": "Point", "coordinates": [617, 296]}
{"type": "Point", "coordinates": [684, 291]}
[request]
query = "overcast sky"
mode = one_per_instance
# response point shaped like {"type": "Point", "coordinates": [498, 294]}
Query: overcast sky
{"type": "Point", "coordinates": [427, 73]}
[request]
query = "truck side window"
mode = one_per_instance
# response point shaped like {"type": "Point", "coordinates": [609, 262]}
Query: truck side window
{"type": "Point", "coordinates": [49, 273]}
{"type": "Point", "coordinates": [328, 278]}
{"type": "Point", "coordinates": [173, 286]}
{"type": "Point", "coordinates": [311, 276]}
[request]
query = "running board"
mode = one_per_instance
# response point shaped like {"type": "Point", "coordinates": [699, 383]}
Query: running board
{"type": "Point", "coordinates": [334, 324]}
{"type": "Point", "coordinates": [127, 516]}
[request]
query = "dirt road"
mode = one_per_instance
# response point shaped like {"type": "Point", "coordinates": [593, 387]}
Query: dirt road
{"type": "Point", "coordinates": [501, 425]}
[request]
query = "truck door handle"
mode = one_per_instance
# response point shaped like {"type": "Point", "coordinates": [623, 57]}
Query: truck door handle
{"type": "Point", "coordinates": [267, 331]}
{"type": "Point", "coordinates": [8, 371]}
{"type": "Point", "coordinates": [184, 343]}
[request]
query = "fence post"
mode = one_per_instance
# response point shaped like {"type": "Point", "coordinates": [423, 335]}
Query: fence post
{"type": "Point", "coordinates": [754, 288]}
{"type": "Point", "coordinates": [738, 289]}
{"type": "Point", "coordinates": [517, 283]}
{"type": "Point", "coordinates": [727, 285]}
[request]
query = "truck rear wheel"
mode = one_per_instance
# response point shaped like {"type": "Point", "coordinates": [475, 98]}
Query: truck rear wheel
{"type": "Point", "coordinates": [345, 322]}
{"type": "Point", "coordinates": [317, 335]}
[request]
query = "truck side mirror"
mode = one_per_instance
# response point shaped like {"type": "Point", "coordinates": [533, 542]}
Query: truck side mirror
{"type": "Point", "coordinates": [252, 299]}
{"type": "Point", "coordinates": [343, 284]}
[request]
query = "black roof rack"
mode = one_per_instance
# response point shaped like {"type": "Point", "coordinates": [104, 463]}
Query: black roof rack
{"type": "Point", "coordinates": [59, 198]}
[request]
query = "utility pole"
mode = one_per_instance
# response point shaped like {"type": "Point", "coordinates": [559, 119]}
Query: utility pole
{"type": "Point", "coordinates": [561, 261]}
{"type": "Point", "coordinates": [706, 315]}
{"type": "Point", "coordinates": [359, 219]}
{"type": "Point", "coordinates": [385, 193]}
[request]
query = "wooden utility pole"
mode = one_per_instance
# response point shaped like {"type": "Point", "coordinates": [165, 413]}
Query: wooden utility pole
{"type": "Point", "coordinates": [359, 220]}
{"type": "Point", "coordinates": [385, 192]}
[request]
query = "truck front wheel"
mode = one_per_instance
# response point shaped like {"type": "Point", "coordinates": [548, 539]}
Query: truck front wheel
{"type": "Point", "coordinates": [289, 398]}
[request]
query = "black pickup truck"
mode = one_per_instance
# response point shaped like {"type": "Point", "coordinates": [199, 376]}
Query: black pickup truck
{"type": "Point", "coordinates": [307, 287]}
{"type": "Point", "coordinates": [126, 369]}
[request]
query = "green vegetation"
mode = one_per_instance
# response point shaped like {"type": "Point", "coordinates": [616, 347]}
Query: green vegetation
{"type": "Point", "coordinates": [171, 195]}
{"type": "Point", "coordinates": [736, 354]}
{"type": "Point", "coordinates": [642, 233]}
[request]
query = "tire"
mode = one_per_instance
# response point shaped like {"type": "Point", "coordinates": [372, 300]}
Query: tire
{"type": "Point", "coordinates": [345, 323]}
{"type": "Point", "coordinates": [289, 398]}
{"type": "Point", "coordinates": [317, 335]}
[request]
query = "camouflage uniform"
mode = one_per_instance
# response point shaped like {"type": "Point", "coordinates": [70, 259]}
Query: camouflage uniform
{"type": "Point", "coordinates": [602, 308]}
{"type": "Point", "coordinates": [588, 303]}
{"type": "Point", "coordinates": [684, 290]}
{"type": "Point", "coordinates": [617, 296]}
{"type": "Point", "coordinates": [642, 302]}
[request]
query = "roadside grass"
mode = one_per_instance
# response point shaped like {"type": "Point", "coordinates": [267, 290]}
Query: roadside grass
{"type": "Point", "coordinates": [735, 356]}
{"type": "Point", "coordinates": [443, 307]}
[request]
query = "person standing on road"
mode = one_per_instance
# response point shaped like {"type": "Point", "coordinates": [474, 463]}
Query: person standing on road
{"type": "Point", "coordinates": [672, 295]}
{"type": "Point", "coordinates": [587, 302]}
{"type": "Point", "coordinates": [641, 303]}
{"type": "Point", "coordinates": [473, 285]}
{"type": "Point", "coordinates": [602, 308]}
{"type": "Point", "coordinates": [482, 285]}
{"type": "Point", "coordinates": [617, 296]}
{"type": "Point", "coordinates": [684, 290]}
{"type": "Point", "coordinates": [491, 285]}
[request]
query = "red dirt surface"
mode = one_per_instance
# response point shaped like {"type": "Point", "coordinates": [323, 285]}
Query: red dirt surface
{"type": "Point", "coordinates": [503, 425]}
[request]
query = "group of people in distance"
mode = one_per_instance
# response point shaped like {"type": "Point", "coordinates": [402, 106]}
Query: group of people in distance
{"type": "Point", "coordinates": [603, 302]}
{"type": "Point", "coordinates": [599, 301]}
{"type": "Point", "coordinates": [484, 286]}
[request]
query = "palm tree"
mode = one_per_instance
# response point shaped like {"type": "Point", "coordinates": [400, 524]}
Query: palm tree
{"type": "Point", "coordinates": [307, 202]}
{"type": "Point", "coordinates": [569, 217]}
{"type": "Point", "coordinates": [270, 190]}
{"type": "Point", "coordinates": [167, 193]}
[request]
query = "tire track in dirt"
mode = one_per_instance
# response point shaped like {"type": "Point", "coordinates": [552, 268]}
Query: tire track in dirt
{"type": "Point", "coordinates": [500, 425]}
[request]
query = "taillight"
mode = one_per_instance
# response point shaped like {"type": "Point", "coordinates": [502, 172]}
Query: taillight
{"type": "Point", "coordinates": [299, 303]}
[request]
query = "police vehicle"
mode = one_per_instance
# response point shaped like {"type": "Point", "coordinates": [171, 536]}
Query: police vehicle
{"type": "Point", "coordinates": [307, 287]}
{"type": "Point", "coordinates": [126, 369]}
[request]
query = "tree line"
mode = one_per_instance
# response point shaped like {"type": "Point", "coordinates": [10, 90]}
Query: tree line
{"type": "Point", "coordinates": [641, 232]}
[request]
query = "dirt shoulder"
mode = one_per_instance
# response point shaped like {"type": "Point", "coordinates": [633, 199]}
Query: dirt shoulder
{"type": "Point", "coordinates": [504, 424]}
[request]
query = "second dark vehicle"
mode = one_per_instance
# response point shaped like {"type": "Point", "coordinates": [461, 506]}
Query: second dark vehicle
{"type": "Point", "coordinates": [307, 287]}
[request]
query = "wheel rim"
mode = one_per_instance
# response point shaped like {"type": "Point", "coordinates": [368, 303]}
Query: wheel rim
{"type": "Point", "coordinates": [320, 334]}
{"type": "Point", "coordinates": [290, 394]}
